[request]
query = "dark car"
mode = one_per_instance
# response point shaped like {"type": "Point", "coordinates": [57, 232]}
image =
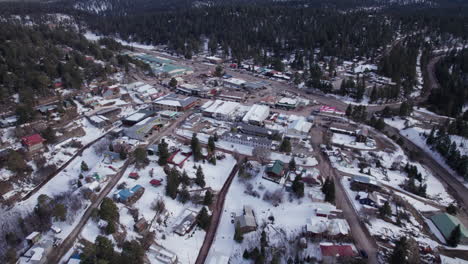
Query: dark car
{"type": "Point", "coordinates": [363, 254]}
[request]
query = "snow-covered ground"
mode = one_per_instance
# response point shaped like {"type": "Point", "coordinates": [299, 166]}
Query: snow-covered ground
{"type": "Point", "coordinates": [289, 217]}
{"type": "Point", "coordinates": [186, 247]}
{"type": "Point", "coordinates": [349, 141]}
{"type": "Point", "coordinates": [92, 36]}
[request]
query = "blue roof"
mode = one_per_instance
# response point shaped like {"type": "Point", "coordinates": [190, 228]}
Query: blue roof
{"type": "Point", "coordinates": [124, 194]}
{"type": "Point", "coordinates": [136, 188]}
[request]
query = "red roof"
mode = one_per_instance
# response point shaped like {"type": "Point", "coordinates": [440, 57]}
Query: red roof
{"type": "Point", "coordinates": [155, 182]}
{"type": "Point", "coordinates": [133, 175]}
{"type": "Point", "coordinates": [337, 250]}
{"type": "Point", "coordinates": [32, 140]}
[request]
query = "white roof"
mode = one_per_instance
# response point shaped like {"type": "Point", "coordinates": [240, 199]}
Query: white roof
{"type": "Point", "coordinates": [289, 101]}
{"type": "Point", "coordinates": [300, 125]}
{"type": "Point", "coordinates": [32, 235]}
{"type": "Point", "coordinates": [222, 107]}
{"type": "Point", "coordinates": [257, 113]}
{"type": "Point", "coordinates": [235, 81]}
{"type": "Point", "coordinates": [135, 117]}
{"type": "Point", "coordinates": [38, 253]}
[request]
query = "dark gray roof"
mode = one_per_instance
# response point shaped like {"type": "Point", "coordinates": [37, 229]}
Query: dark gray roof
{"type": "Point", "coordinates": [247, 138]}
{"type": "Point", "coordinates": [255, 130]}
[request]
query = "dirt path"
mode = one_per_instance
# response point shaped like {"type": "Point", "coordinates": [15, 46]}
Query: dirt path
{"type": "Point", "coordinates": [216, 216]}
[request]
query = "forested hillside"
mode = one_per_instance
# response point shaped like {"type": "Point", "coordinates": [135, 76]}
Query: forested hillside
{"type": "Point", "coordinates": [33, 58]}
{"type": "Point", "coordinates": [452, 76]}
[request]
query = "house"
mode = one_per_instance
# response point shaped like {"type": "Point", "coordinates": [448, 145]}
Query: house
{"type": "Point", "coordinates": [233, 83]}
{"type": "Point", "coordinates": [110, 92]}
{"type": "Point", "coordinates": [152, 149]}
{"type": "Point", "coordinates": [141, 225]}
{"type": "Point", "coordinates": [33, 143]}
{"type": "Point", "coordinates": [37, 254]}
{"type": "Point", "coordinates": [187, 221]}
{"type": "Point", "coordinates": [276, 169]}
{"type": "Point", "coordinates": [257, 114]}
{"type": "Point", "coordinates": [8, 121]}
{"type": "Point", "coordinates": [364, 183]}
{"type": "Point", "coordinates": [215, 60]}
{"type": "Point", "coordinates": [287, 103]}
{"type": "Point", "coordinates": [330, 252]}
{"type": "Point", "coordinates": [129, 196]}
{"type": "Point", "coordinates": [246, 221]}
{"type": "Point", "coordinates": [246, 140]}
{"type": "Point", "coordinates": [109, 112]}
{"type": "Point", "coordinates": [299, 127]}
{"type": "Point", "coordinates": [371, 199]}
{"type": "Point", "coordinates": [446, 223]}
{"type": "Point", "coordinates": [232, 96]}
{"type": "Point", "coordinates": [98, 121]}
{"type": "Point", "coordinates": [33, 238]}
{"type": "Point", "coordinates": [362, 135]}
{"type": "Point", "coordinates": [254, 86]}
{"type": "Point", "coordinates": [174, 102]}
{"type": "Point", "coordinates": [134, 175]}
{"type": "Point", "coordinates": [110, 156]}
{"type": "Point", "coordinates": [46, 109]}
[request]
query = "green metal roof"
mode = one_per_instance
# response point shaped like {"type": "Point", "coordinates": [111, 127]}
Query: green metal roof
{"type": "Point", "coordinates": [277, 168]}
{"type": "Point", "coordinates": [446, 223]}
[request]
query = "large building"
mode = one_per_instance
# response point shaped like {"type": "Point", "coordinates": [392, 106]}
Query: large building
{"type": "Point", "coordinates": [257, 114]}
{"type": "Point", "coordinates": [223, 110]}
{"type": "Point", "coordinates": [446, 223]}
{"type": "Point", "coordinates": [174, 102]}
{"type": "Point", "coordinates": [246, 140]}
{"type": "Point", "coordinates": [144, 129]}
{"type": "Point", "coordinates": [233, 83]}
{"type": "Point", "coordinates": [299, 127]}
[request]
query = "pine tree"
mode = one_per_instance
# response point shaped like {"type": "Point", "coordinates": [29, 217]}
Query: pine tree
{"type": "Point", "coordinates": [298, 186]}
{"type": "Point", "coordinates": [385, 210]}
{"type": "Point", "coordinates": [203, 219]}
{"type": "Point", "coordinates": [292, 164]}
{"type": "Point", "coordinates": [400, 252]}
{"type": "Point", "coordinates": [163, 153]}
{"type": "Point", "coordinates": [184, 195]}
{"type": "Point", "coordinates": [349, 110]}
{"type": "Point", "coordinates": [200, 177]}
{"type": "Point", "coordinates": [173, 83]}
{"type": "Point", "coordinates": [285, 145]}
{"type": "Point", "coordinates": [173, 182]}
{"type": "Point", "coordinates": [455, 237]}
{"type": "Point", "coordinates": [196, 148]}
{"type": "Point", "coordinates": [211, 144]}
{"type": "Point", "coordinates": [84, 166]}
{"type": "Point", "coordinates": [208, 200]}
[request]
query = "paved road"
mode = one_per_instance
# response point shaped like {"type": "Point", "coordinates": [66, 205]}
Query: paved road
{"type": "Point", "coordinates": [216, 216]}
{"type": "Point", "coordinates": [454, 187]}
{"type": "Point", "coordinates": [359, 232]}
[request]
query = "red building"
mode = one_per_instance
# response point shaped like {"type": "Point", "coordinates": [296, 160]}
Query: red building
{"type": "Point", "coordinates": [33, 142]}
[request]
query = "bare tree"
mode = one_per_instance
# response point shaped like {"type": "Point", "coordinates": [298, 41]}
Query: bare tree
{"type": "Point", "coordinates": [158, 205]}
{"type": "Point", "coordinates": [261, 153]}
